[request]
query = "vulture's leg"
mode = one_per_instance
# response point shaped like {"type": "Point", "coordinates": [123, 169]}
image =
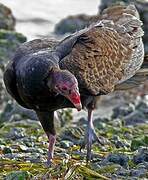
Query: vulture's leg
{"type": "Point", "coordinates": [47, 121]}
{"type": "Point", "coordinates": [90, 134]}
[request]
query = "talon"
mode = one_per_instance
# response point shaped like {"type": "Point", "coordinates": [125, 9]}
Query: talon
{"type": "Point", "coordinates": [48, 163]}
{"type": "Point", "coordinates": [90, 137]}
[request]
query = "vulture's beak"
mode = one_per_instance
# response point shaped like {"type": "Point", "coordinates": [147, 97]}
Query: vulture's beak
{"type": "Point", "coordinates": [74, 97]}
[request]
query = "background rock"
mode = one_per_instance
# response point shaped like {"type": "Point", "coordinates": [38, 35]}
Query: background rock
{"type": "Point", "coordinates": [9, 41]}
{"type": "Point", "coordinates": [7, 20]}
{"type": "Point", "coordinates": [72, 24]}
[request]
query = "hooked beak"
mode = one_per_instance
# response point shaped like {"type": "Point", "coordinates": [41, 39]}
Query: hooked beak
{"type": "Point", "coordinates": [74, 97]}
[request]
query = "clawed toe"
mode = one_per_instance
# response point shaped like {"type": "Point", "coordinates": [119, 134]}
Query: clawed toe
{"type": "Point", "coordinates": [89, 139]}
{"type": "Point", "coordinates": [48, 163]}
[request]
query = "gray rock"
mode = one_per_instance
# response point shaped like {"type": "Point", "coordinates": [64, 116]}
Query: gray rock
{"type": "Point", "coordinates": [16, 133]}
{"type": "Point", "coordinates": [121, 111]}
{"type": "Point", "coordinates": [141, 156]}
{"type": "Point", "coordinates": [141, 172]}
{"type": "Point", "coordinates": [123, 172]}
{"type": "Point", "coordinates": [72, 24]}
{"type": "Point", "coordinates": [118, 159]}
{"type": "Point", "coordinates": [7, 20]}
{"type": "Point", "coordinates": [134, 118]}
{"type": "Point", "coordinates": [9, 41]}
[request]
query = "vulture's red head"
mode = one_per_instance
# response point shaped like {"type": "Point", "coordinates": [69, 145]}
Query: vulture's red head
{"type": "Point", "coordinates": [65, 83]}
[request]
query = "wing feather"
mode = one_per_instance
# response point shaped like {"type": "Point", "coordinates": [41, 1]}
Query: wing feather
{"type": "Point", "coordinates": [113, 53]}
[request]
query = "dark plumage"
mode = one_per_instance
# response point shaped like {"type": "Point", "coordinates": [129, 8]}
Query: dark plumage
{"type": "Point", "coordinates": [106, 56]}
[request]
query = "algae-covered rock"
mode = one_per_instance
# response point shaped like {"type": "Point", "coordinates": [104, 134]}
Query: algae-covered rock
{"type": "Point", "coordinates": [7, 20]}
{"type": "Point", "coordinates": [9, 41]}
{"type": "Point", "coordinates": [18, 175]}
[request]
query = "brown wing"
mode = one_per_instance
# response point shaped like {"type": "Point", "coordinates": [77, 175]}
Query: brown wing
{"type": "Point", "coordinates": [99, 65]}
{"type": "Point", "coordinates": [108, 58]}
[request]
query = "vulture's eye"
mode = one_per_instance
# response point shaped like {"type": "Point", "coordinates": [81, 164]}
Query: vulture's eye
{"type": "Point", "coordinates": [64, 88]}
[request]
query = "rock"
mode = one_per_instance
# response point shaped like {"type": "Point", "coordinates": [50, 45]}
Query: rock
{"type": "Point", "coordinates": [7, 20]}
{"type": "Point", "coordinates": [141, 156]}
{"type": "Point", "coordinates": [121, 111]}
{"type": "Point", "coordinates": [16, 133]}
{"type": "Point", "coordinates": [139, 142]}
{"type": "Point", "coordinates": [73, 134]}
{"type": "Point", "coordinates": [72, 24]}
{"type": "Point", "coordinates": [140, 172]}
{"type": "Point", "coordinates": [9, 41]}
{"type": "Point", "coordinates": [119, 143]}
{"type": "Point", "coordinates": [143, 107]}
{"type": "Point", "coordinates": [18, 175]}
{"type": "Point", "coordinates": [136, 117]}
{"type": "Point", "coordinates": [7, 150]}
{"type": "Point", "coordinates": [118, 159]}
{"type": "Point", "coordinates": [123, 172]}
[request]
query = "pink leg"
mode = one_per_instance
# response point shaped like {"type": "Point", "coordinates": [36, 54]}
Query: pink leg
{"type": "Point", "coordinates": [90, 134]}
{"type": "Point", "coordinates": [52, 140]}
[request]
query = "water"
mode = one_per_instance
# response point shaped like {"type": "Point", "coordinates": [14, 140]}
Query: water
{"type": "Point", "coordinates": [36, 18]}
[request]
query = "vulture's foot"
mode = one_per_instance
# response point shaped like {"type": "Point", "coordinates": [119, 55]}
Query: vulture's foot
{"type": "Point", "coordinates": [90, 138]}
{"type": "Point", "coordinates": [52, 140]}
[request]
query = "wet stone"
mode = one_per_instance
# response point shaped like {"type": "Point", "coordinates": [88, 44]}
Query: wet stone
{"type": "Point", "coordinates": [123, 172]}
{"type": "Point", "coordinates": [141, 156]}
{"type": "Point", "coordinates": [118, 159]}
{"type": "Point", "coordinates": [141, 172]}
{"type": "Point", "coordinates": [122, 111]}
{"type": "Point", "coordinates": [134, 118]}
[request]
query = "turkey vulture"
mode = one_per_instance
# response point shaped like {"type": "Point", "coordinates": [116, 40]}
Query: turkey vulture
{"type": "Point", "coordinates": [46, 75]}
